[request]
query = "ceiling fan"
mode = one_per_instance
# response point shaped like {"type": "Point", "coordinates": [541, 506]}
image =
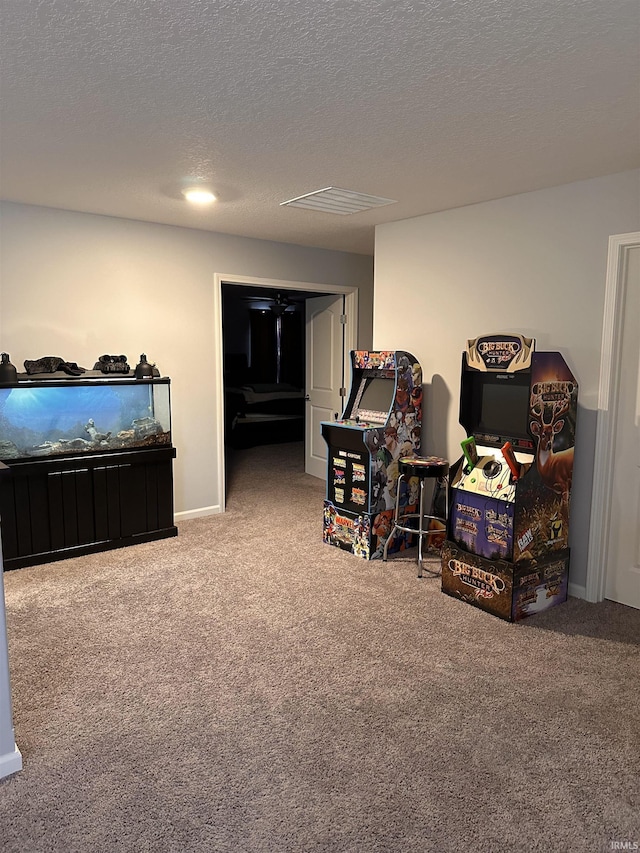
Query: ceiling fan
{"type": "Point", "coordinates": [277, 305]}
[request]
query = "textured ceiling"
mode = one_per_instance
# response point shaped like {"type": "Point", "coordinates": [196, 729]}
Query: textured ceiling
{"type": "Point", "coordinates": [114, 106]}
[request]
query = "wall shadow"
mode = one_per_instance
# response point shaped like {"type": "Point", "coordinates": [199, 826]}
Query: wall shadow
{"type": "Point", "coordinates": [436, 402]}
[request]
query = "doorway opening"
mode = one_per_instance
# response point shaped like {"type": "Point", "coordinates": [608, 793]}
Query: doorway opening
{"type": "Point", "coordinates": [263, 337]}
{"type": "Point", "coordinates": [263, 342]}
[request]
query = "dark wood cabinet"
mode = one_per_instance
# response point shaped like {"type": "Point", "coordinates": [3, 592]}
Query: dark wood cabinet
{"type": "Point", "coordinates": [51, 509]}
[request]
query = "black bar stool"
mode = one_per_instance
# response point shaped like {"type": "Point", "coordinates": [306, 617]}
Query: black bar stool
{"type": "Point", "coordinates": [422, 467]}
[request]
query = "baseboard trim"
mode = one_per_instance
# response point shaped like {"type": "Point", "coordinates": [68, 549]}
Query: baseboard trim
{"type": "Point", "coordinates": [198, 513]}
{"type": "Point", "coordinates": [10, 763]}
{"type": "Point", "coordinates": [577, 591]}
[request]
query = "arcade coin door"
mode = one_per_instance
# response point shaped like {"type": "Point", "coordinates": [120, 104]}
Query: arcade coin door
{"type": "Point", "coordinates": [507, 549]}
{"type": "Point", "coordinates": [381, 422]}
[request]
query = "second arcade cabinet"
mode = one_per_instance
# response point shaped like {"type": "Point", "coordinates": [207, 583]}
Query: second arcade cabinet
{"type": "Point", "coordinates": [507, 549]}
{"type": "Point", "coordinates": [381, 422]}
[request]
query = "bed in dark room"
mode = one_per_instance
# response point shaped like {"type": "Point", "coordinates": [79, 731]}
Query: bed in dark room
{"type": "Point", "coordinates": [260, 412]}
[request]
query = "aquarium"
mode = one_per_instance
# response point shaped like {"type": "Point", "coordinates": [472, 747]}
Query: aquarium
{"type": "Point", "coordinates": [52, 418]}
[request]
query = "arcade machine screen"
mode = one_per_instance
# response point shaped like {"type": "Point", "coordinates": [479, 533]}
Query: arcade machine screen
{"type": "Point", "coordinates": [505, 409]}
{"type": "Point", "coordinates": [375, 398]}
{"type": "Point", "coordinates": [498, 409]}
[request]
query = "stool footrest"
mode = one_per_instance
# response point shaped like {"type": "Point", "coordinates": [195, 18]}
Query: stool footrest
{"type": "Point", "coordinates": [417, 529]}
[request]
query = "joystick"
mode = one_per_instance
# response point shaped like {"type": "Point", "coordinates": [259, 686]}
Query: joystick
{"type": "Point", "coordinates": [470, 452]}
{"type": "Point", "coordinates": [491, 468]}
{"type": "Point", "coordinates": [510, 459]}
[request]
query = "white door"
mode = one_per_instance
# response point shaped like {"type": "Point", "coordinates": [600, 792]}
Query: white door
{"type": "Point", "coordinates": [623, 563]}
{"type": "Point", "coordinates": [325, 366]}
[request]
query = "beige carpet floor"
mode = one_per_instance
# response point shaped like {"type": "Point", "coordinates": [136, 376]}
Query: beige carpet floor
{"type": "Point", "coordinates": [244, 687]}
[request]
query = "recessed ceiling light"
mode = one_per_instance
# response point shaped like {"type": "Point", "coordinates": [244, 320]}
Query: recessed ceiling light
{"type": "Point", "coordinates": [198, 195]}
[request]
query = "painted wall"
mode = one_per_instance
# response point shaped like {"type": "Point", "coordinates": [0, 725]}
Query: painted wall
{"type": "Point", "coordinates": [77, 286]}
{"type": "Point", "coordinates": [10, 756]}
{"type": "Point", "coordinates": [533, 263]}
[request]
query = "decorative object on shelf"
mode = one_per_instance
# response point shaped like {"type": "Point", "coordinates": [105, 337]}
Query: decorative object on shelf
{"type": "Point", "coordinates": [144, 370]}
{"type": "Point", "coordinates": [53, 364]}
{"type": "Point", "coordinates": [8, 450]}
{"type": "Point", "coordinates": [96, 437]}
{"type": "Point", "coordinates": [112, 364]}
{"type": "Point", "coordinates": [8, 373]}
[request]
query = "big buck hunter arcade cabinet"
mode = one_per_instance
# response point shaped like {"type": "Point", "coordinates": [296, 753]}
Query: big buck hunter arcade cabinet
{"type": "Point", "coordinates": [507, 548]}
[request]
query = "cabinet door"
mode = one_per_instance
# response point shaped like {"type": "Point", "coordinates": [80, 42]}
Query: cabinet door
{"type": "Point", "coordinates": [132, 498]}
{"type": "Point", "coordinates": [69, 501]}
{"type": "Point", "coordinates": [106, 502]}
{"type": "Point", "coordinates": [46, 511]}
{"type": "Point", "coordinates": [21, 533]}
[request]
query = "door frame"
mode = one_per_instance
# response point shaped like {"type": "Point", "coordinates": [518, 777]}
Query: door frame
{"type": "Point", "coordinates": [607, 418]}
{"type": "Point", "coordinates": [351, 337]}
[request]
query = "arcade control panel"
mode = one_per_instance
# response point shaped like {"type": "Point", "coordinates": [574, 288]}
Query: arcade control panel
{"type": "Point", "coordinates": [492, 475]}
{"type": "Point", "coordinates": [362, 421]}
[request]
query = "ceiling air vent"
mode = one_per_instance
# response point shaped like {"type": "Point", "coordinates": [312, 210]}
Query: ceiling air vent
{"type": "Point", "coordinates": [336, 200]}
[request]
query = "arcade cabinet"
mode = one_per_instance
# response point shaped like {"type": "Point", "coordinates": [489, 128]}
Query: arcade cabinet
{"type": "Point", "coordinates": [507, 548]}
{"type": "Point", "coordinates": [381, 422]}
